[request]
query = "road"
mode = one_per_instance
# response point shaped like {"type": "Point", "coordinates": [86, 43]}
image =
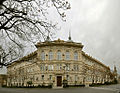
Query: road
{"type": "Point", "coordinates": [110, 87]}
{"type": "Point", "coordinates": [102, 89]}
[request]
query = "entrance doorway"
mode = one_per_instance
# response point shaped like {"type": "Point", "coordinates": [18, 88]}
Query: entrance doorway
{"type": "Point", "coordinates": [59, 81]}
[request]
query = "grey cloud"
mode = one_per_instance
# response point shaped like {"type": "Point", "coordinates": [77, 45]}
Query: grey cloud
{"type": "Point", "coordinates": [95, 23]}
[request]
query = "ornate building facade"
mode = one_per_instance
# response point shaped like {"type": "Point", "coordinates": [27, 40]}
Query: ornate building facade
{"type": "Point", "coordinates": [56, 61]}
{"type": "Point", "coordinates": [3, 80]}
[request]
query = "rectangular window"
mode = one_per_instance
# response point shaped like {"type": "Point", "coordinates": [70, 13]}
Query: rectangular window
{"type": "Point", "coordinates": [67, 55]}
{"type": "Point", "coordinates": [42, 55]}
{"type": "Point", "coordinates": [50, 67]}
{"type": "Point", "coordinates": [76, 77]}
{"type": "Point", "coordinates": [59, 66]}
{"type": "Point", "coordinates": [42, 77]}
{"type": "Point", "coordinates": [75, 55]}
{"type": "Point", "coordinates": [67, 77]}
{"type": "Point", "coordinates": [67, 68]}
{"type": "Point", "coordinates": [50, 55]}
{"type": "Point", "coordinates": [42, 67]}
{"type": "Point", "coordinates": [76, 67]}
{"type": "Point", "coordinates": [50, 77]}
{"type": "Point", "coordinates": [59, 55]}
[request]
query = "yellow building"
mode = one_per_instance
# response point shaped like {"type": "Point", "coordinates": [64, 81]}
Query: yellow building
{"type": "Point", "coordinates": [3, 80]}
{"type": "Point", "coordinates": [55, 62]}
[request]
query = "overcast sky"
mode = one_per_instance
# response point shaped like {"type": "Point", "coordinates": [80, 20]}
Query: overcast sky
{"type": "Point", "coordinates": [94, 23]}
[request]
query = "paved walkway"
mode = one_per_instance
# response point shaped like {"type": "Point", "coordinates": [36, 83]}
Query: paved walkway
{"type": "Point", "coordinates": [67, 90]}
{"type": "Point", "coordinates": [115, 87]}
{"type": "Point", "coordinates": [101, 89]}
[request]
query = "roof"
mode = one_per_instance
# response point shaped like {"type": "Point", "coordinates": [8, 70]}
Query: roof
{"type": "Point", "coordinates": [90, 57]}
{"type": "Point", "coordinates": [58, 42]}
{"type": "Point", "coordinates": [24, 58]}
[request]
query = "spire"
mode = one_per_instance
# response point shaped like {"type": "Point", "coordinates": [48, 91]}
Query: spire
{"type": "Point", "coordinates": [69, 38]}
{"type": "Point", "coordinates": [69, 35]}
{"type": "Point", "coordinates": [115, 70]}
{"type": "Point", "coordinates": [48, 38]}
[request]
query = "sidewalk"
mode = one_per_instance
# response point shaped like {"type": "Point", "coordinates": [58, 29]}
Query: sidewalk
{"type": "Point", "coordinates": [115, 87]}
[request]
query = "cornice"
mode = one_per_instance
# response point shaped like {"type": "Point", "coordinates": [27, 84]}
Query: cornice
{"type": "Point", "coordinates": [58, 43]}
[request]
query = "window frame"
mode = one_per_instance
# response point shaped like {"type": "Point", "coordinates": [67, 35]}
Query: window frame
{"type": "Point", "coordinates": [50, 77]}
{"type": "Point", "coordinates": [59, 55]}
{"type": "Point", "coordinates": [50, 55]}
{"type": "Point", "coordinates": [42, 77]}
{"type": "Point", "coordinates": [67, 55]}
{"type": "Point", "coordinates": [42, 55]}
{"type": "Point", "coordinates": [75, 55]}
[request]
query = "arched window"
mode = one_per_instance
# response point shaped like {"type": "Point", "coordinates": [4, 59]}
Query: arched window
{"type": "Point", "coordinates": [67, 55]}
{"type": "Point", "coordinates": [59, 55]}
{"type": "Point", "coordinates": [42, 55]}
{"type": "Point", "coordinates": [75, 55]}
{"type": "Point", "coordinates": [50, 55]}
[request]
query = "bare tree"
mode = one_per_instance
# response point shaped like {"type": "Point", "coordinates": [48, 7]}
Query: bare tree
{"type": "Point", "coordinates": [12, 53]}
{"type": "Point", "coordinates": [26, 20]}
